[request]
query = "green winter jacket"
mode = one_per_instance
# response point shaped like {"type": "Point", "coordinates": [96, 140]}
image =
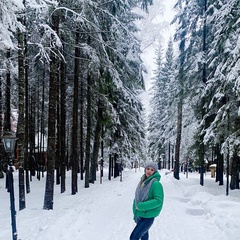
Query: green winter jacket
{"type": "Point", "coordinates": [153, 205]}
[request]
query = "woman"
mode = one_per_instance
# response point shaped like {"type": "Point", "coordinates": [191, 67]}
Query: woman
{"type": "Point", "coordinates": [148, 201]}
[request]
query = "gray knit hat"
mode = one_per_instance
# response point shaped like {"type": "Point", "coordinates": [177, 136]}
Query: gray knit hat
{"type": "Point", "coordinates": [153, 165]}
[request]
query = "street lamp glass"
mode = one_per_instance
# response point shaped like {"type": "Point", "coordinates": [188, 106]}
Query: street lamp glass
{"type": "Point", "coordinates": [8, 142]}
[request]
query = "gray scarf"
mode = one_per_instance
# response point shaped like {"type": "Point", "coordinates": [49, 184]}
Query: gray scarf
{"type": "Point", "coordinates": [142, 190]}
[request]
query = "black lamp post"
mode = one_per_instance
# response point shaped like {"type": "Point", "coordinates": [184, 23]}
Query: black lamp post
{"type": "Point", "coordinates": [101, 169]}
{"type": "Point", "coordinates": [9, 146]}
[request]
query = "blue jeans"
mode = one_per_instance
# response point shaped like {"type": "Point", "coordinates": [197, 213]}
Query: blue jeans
{"type": "Point", "coordinates": [141, 229]}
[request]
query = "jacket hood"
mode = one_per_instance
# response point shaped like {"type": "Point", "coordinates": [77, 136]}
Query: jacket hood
{"type": "Point", "coordinates": [156, 175]}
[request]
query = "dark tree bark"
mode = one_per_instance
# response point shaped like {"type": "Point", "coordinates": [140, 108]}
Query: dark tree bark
{"type": "Point", "coordinates": [63, 125]}
{"type": "Point", "coordinates": [51, 147]}
{"type": "Point", "coordinates": [32, 129]}
{"type": "Point", "coordinates": [96, 144]}
{"type": "Point", "coordinates": [180, 104]}
{"type": "Point", "coordinates": [110, 163]}
{"type": "Point", "coordinates": [219, 170]}
{"type": "Point", "coordinates": [7, 112]}
{"type": "Point", "coordinates": [89, 130]}
{"type": "Point", "coordinates": [81, 140]}
{"type": "Point", "coordinates": [181, 73]}
{"type": "Point", "coordinates": [204, 80]}
{"type": "Point", "coordinates": [21, 119]}
{"type": "Point", "coordinates": [235, 167]}
{"type": "Point", "coordinates": [58, 140]}
{"type": "Point", "coordinates": [1, 104]}
{"type": "Point", "coordinates": [41, 151]}
{"type": "Point", "coordinates": [228, 153]}
{"type": "Point", "coordinates": [116, 170]}
{"type": "Point", "coordinates": [26, 155]}
{"type": "Point", "coordinates": [110, 167]}
{"type": "Point", "coordinates": [102, 154]}
{"type": "Point", "coordinates": [58, 143]}
{"type": "Point", "coordinates": [1, 125]}
{"type": "Point", "coordinates": [178, 140]}
{"type": "Point", "coordinates": [169, 155]}
{"type": "Point", "coordinates": [74, 160]}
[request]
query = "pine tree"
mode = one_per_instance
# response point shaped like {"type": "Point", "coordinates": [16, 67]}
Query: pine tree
{"type": "Point", "coordinates": [51, 153]}
{"type": "Point", "coordinates": [222, 91]}
{"type": "Point", "coordinates": [156, 127]}
{"type": "Point", "coordinates": [21, 119]}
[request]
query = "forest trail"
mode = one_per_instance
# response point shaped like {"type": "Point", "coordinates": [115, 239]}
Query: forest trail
{"type": "Point", "coordinates": [104, 211]}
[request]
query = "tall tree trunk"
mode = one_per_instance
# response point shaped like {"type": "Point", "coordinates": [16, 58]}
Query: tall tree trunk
{"type": "Point", "coordinates": [58, 135]}
{"type": "Point", "coordinates": [81, 148]}
{"type": "Point", "coordinates": [219, 170]}
{"type": "Point", "coordinates": [201, 160]}
{"type": "Point", "coordinates": [116, 170]}
{"type": "Point", "coordinates": [74, 159]}
{"type": "Point", "coordinates": [178, 140]}
{"type": "Point", "coordinates": [89, 129]}
{"type": "Point", "coordinates": [63, 125]}
{"type": "Point", "coordinates": [7, 112]}
{"type": "Point", "coordinates": [227, 172]}
{"type": "Point", "coordinates": [180, 97]}
{"type": "Point", "coordinates": [32, 130]}
{"type": "Point", "coordinates": [1, 104]}
{"type": "Point", "coordinates": [27, 155]}
{"type": "Point", "coordinates": [51, 145]}
{"type": "Point", "coordinates": [169, 155]}
{"type": "Point", "coordinates": [228, 152]}
{"type": "Point", "coordinates": [110, 162]}
{"type": "Point", "coordinates": [41, 152]}
{"type": "Point", "coordinates": [204, 80]}
{"type": "Point", "coordinates": [102, 154]}
{"type": "Point", "coordinates": [235, 163]}
{"type": "Point", "coordinates": [1, 125]}
{"type": "Point", "coordinates": [96, 144]}
{"type": "Point", "coordinates": [51, 152]}
{"type": "Point", "coordinates": [21, 120]}
{"type": "Point", "coordinates": [235, 166]}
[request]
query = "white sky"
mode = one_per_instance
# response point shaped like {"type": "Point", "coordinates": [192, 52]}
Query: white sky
{"type": "Point", "coordinates": [104, 211]}
{"type": "Point", "coordinates": [163, 19]}
{"type": "Point", "coordinates": [156, 29]}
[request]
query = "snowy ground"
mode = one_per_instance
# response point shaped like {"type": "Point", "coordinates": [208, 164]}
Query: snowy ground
{"type": "Point", "coordinates": [103, 211]}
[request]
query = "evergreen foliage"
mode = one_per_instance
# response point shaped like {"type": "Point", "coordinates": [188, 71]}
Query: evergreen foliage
{"type": "Point", "coordinates": [90, 47]}
{"type": "Point", "coordinates": [206, 79]}
{"type": "Point", "coordinates": [159, 118]}
{"type": "Point", "coordinates": [73, 71]}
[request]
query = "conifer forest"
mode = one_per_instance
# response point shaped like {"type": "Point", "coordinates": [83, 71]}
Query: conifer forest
{"type": "Point", "coordinates": [71, 78]}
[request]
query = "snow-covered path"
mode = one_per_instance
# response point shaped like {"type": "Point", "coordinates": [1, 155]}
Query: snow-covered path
{"type": "Point", "coordinates": [194, 212]}
{"type": "Point", "coordinates": [103, 211]}
{"type": "Point", "coordinates": [180, 218]}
